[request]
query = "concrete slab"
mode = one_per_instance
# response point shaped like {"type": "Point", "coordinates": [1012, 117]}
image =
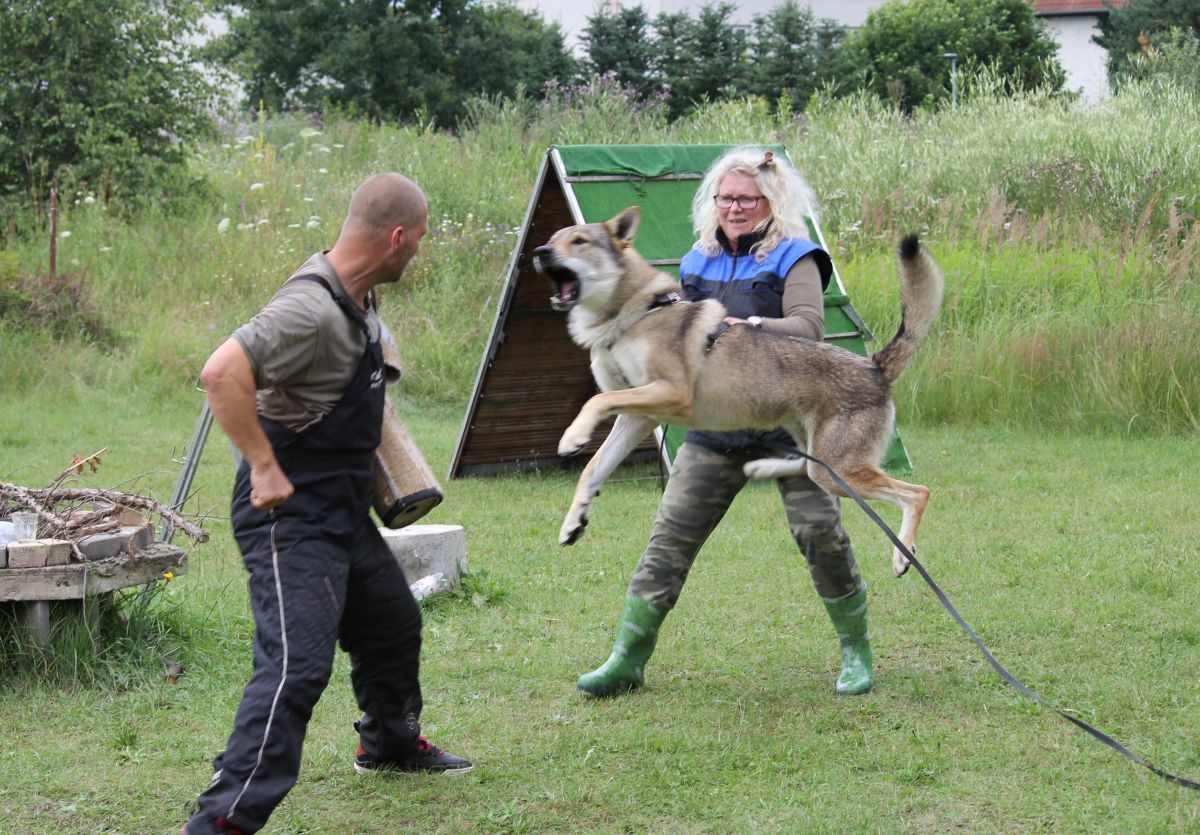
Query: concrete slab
{"type": "Point", "coordinates": [427, 549]}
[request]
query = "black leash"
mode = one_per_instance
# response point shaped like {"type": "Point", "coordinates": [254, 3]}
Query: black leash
{"type": "Point", "coordinates": [996, 665]}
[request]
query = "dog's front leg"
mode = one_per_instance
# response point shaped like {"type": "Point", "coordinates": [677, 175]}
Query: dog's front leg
{"type": "Point", "coordinates": [627, 433]}
{"type": "Point", "coordinates": [657, 398]}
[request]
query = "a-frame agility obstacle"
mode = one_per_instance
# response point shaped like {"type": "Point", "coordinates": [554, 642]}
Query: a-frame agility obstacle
{"type": "Point", "coordinates": [533, 379]}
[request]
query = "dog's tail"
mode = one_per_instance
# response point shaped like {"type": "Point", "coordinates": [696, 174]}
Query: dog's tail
{"type": "Point", "coordinates": [921, 286]}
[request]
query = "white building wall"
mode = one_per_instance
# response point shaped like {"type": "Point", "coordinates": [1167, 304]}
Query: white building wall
{"type": "Point", "coordinates": [1086, 62]}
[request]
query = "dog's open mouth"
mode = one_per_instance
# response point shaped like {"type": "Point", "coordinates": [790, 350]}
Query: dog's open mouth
{"type": "Point", "coordinates": [565, 284]}
{"type": "Point", "coordinates": [566, 292]}
{"type": "Point", "coordinates": [563, 280]}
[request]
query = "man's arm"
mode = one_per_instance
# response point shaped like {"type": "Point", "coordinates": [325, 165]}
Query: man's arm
{"type": "Point", "coordinates": [229, 383]}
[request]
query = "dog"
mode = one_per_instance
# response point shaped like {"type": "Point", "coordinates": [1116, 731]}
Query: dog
{"type": "Point", "coordinates": [658, 359]}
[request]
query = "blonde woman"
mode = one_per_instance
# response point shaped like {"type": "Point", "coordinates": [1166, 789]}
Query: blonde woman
{"type": "Point", "coordinates": [752, 255]}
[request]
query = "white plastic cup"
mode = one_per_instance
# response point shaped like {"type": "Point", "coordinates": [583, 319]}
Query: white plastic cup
{"type": "Point", "coordinates": [25, 525]}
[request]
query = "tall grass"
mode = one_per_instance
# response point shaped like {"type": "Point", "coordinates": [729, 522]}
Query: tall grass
{"type": "Point", "coordinates": [1069, 235]}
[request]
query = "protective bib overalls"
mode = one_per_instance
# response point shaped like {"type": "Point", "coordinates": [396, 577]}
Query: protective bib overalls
{"type": "Point", "coordinates": [319, 573]}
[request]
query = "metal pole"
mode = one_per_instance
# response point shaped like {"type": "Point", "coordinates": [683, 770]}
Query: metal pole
{"type": "Point", "coordinates": [190, 460]}
{"type": "Point", "coordinates": [53, 229]}
{"type": "Point", "coordinates": [953, 56]}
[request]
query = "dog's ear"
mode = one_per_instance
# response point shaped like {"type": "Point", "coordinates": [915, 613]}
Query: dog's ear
{"type": "Point", "coordinates": [624, 226]}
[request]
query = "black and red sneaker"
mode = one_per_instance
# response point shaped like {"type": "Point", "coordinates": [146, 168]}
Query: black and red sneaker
{"type": "Point", "coordinates": [424, 756]}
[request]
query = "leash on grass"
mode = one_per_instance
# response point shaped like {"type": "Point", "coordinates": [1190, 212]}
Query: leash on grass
{"type": "Point", "coordinates": [996, 665]}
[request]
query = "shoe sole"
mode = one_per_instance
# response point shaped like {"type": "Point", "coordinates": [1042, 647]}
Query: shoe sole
{"type": "Point", "coordinates": [609, 692]}
{"type": "Point", "coordinates": [392, 772]}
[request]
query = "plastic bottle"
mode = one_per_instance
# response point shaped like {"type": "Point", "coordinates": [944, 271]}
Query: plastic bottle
{"type": "Point", "coordinates": [429, 585]}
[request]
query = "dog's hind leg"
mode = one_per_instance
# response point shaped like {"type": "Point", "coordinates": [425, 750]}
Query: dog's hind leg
{"type": "Point", "coordinates": [873, 483]}
{"type": "Point", "coordinates": [627, 433]}
{"type": "Point", "coordinates": [764, 468]}
{"type": "Point", "coordinates": [775, 467]}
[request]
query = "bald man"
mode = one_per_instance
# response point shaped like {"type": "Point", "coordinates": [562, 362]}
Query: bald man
{"type": "Point", "coordinates": [299, 391]}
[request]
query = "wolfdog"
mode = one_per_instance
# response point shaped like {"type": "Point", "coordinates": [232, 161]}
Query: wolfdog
{"type": "Point", "coordinates": [658, 359]}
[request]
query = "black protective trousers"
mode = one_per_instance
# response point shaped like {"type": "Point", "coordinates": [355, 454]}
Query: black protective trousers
{"type": "Point", "coordinates": [308, 590]}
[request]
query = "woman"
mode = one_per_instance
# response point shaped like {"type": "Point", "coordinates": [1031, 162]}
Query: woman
{"type": "Point", "coordinates": [752, 256]}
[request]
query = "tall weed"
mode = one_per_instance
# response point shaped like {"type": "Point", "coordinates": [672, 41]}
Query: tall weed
{"type": "Point", "coordinates": [1060, 225]}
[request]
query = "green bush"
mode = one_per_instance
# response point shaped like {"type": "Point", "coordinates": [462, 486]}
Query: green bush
{"type": "Point", "coordinates": [1139, 29]}
{"type": "Point", "coordinates": [900, 48]}
{"type": "Point", "coordinates": [98, 94]}
{"type": "Point", "coordinates": [60, 304]}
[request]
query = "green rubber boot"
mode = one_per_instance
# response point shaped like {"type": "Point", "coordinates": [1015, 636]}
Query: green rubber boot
{"type": "Point", "coordinates": [636, 634]}
{"type": "Point", "coordinates": [849, 616]}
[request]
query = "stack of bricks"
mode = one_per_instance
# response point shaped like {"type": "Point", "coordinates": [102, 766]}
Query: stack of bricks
{"type": "Point", "coordinates": [135, 533]}
{"type": "Point", "coordinates": [36, 553]}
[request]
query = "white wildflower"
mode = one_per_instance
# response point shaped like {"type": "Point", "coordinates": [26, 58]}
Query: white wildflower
{"type": "Point", "coordinates": [257, 186]}
{"type": "Point", "coordinates": [223, 226]}
{"type": "Point", "coordinates": [66, 233]}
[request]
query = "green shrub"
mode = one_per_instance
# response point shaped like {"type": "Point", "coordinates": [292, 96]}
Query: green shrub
{"type": "Point", "coordinates": [59, 304]}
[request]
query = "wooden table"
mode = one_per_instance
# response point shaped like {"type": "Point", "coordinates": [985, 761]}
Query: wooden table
{"type": "Point", "coordinates": [33, 590]}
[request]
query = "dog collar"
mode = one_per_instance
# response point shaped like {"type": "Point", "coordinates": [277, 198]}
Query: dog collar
{"type": "Point", "coordinates": [665, 299]}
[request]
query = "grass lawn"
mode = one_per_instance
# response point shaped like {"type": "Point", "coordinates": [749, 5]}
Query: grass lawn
{"type": "Point", "coordinates": [1073, 557]}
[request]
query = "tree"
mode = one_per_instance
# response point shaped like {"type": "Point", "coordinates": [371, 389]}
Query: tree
{"type": "Point", "coordinates": [388, 59]}
{"type": "Point", "coordinates": [620, 44]}
{"type": "Point", "coordinates": [103, 92]}
{"type": "Point", "coordinates": [791, 53]}
{"type": "Point", "coordinates": [1136, 28]}
{"type": "Point", "coordinates": [699, 60]}
{"type": "Point", "coordinates": [900, 47]}
{"type": "Point", "coordinates": [718, 51]}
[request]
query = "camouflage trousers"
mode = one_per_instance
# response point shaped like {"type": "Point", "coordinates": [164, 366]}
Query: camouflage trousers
{"type": "Point", "coordinates": [702, 486]}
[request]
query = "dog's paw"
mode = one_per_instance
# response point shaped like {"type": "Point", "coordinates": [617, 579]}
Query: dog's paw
{"type": "Point", "coordinates": [572, 442]}
{"type": "Point", "coordinates": [900, 563]}
{"type": "Point", "coordinates": [571, 531]}
{"type": "Point", "coordinates": [758, 469]}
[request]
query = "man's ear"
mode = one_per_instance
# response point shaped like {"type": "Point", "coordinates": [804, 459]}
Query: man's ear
{"type": "Point", "coordinates": [396, 236]}
{"type": "Point", "coordinates": [624, 226]}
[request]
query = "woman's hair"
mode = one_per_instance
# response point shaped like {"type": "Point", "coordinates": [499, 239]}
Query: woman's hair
{"type": "Point", "coordinates": [789, 197]}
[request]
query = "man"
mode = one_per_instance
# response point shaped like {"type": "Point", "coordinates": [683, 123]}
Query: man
{"type": "Point", "coordinates": [299, 391]}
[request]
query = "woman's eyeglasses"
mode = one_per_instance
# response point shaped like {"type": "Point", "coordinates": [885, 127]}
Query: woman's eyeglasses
{"type": "Point", "coordinates": [724, 201]}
